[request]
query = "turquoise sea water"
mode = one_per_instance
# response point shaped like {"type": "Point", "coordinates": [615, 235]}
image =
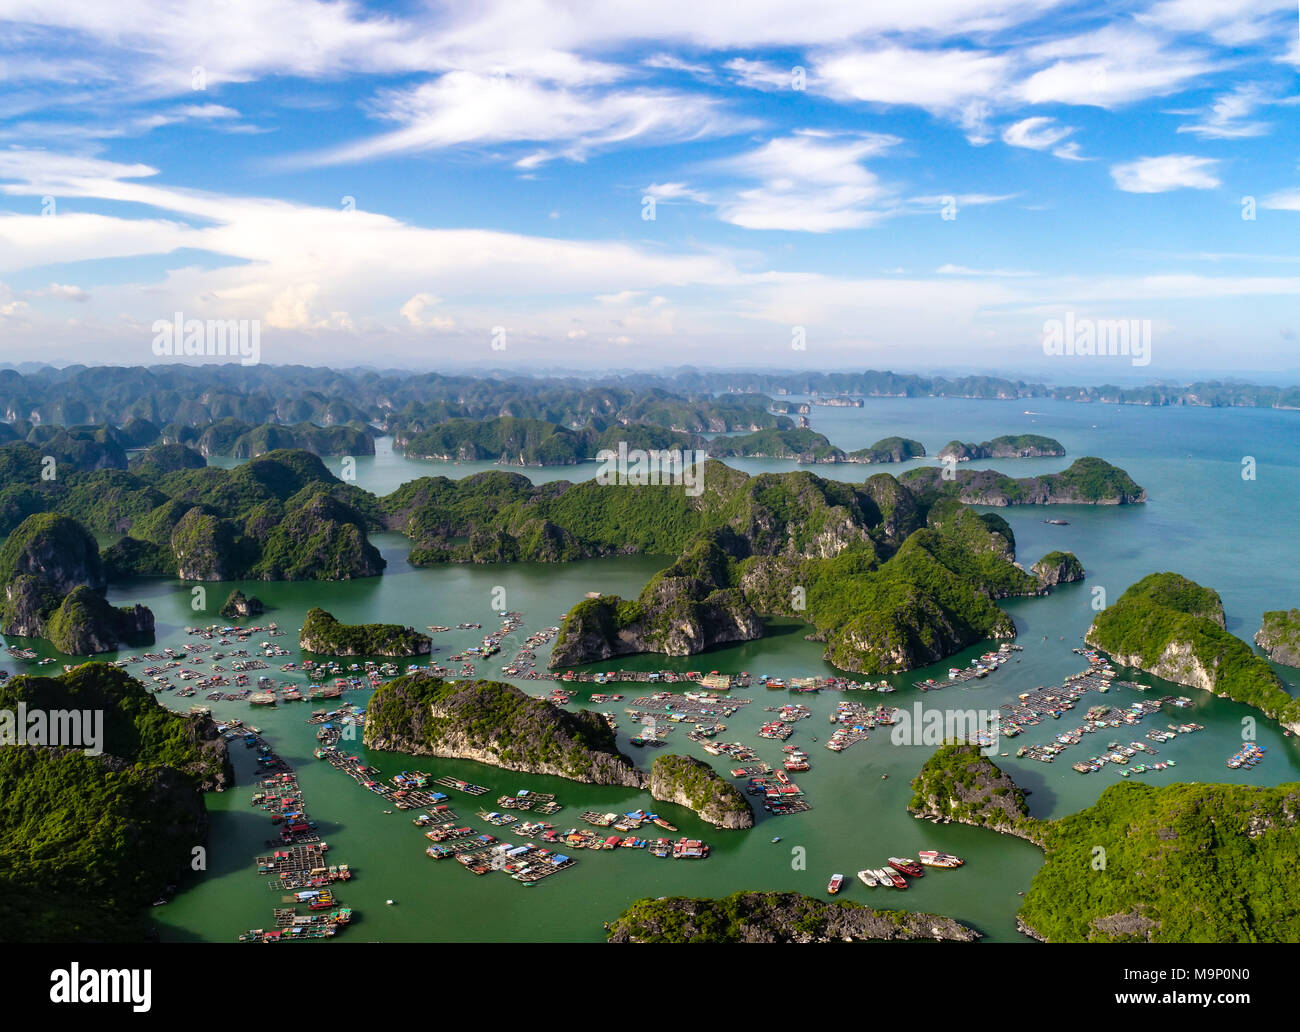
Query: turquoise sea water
{"type": "Point", "coordinates": [1202, 519]}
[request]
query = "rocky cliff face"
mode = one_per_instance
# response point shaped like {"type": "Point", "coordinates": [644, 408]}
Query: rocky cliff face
{"type": "Point", "coordinates": [54, 588]}
{"type": "Point", "coordinates": [913, 634]}
{"type": "Point", "coordinates": [218, 773]}
{"type": "Point", "coordinates": [692, 783]}
{"type": "Point", "coordinates": [239, 606]}
{"type": "Point", "coordinates": [57, 549]}
{"type": "Point", "coordinates": [672, 624]}
{"type": "Point", "coordinates": [959, 783]}
{"type": "Point", "coordinates": [86, 624]}
{"type": "Point", "coordinates": [207, 548]}
{"type": "Point", "coordinates": [1177, 663]}
{"type": "Point", "coordinates": [684, 610]}
{"type": "Point", "coordinates": [1279, 636]}
{"type": "Point", "coordinates": [778, 917]}
{"type": "Point", "coordinates": [1058, 568]}
{"type": "Point", "coordinates": [28, 604]}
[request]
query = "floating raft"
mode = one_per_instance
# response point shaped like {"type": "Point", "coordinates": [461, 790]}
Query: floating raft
{"type": "Point", "coordinates": [543, 802]}
{"type": "Point", "coordinates": [461, 786]}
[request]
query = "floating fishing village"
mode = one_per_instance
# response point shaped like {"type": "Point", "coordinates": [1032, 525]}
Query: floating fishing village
{"type": "Point", "coordinates": [297, 864]}
{"type": "Point", "coordinates": [519, 834]}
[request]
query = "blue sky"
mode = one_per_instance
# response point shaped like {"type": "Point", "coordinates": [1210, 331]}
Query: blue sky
{"type": "Point", "coordinates": [915, 188]}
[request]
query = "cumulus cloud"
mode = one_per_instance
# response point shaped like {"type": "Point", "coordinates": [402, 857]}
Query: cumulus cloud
{"type": "Point", "coordinates": [1165, 173]}
{"type": "Point", "coordinates": [809, 182]}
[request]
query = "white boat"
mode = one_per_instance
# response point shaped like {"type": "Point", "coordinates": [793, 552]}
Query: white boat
{"type": "Point", "coordinates": [933, 858]}
{"type": "Point", "coordinates": [883, 878]}
{"type": "Point", "coordinates": [868, 878]}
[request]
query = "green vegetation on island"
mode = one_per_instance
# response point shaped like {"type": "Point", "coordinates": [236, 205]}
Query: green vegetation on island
{"type": "Point", "coordinates": [1010, 446]}
{"type": "Point", "coordinates": [532, 442]}
{"type": "Point", "coordinates": [888, 581]}
{"type": "Point", "coordinates": [1279, 636]}
{"type": "Point", "coordinates": [696, 785]}
{"type": "Point", "coordinates": [1058, 567]}
{"type": "Point", "coordinates": [808, 446]}
{"type": "Point", "coordinates": [497, 724]}
{"type": "Point", "coordinates": [282, 516]}
{"type": "Point", "coordinates": [1181, 863]}
{"type": "Point", "coordinates": [170, 396]}
{"type": "Point", "coordinates": [777, 917]}
{"type": "Point", "coordinates": [323, 634]}
{"type": "Point", "coordinates": [54, 586]}
{"type": "Point", "coordinates": [1172, 627]}
{"type": "Point", "coordinates": [1087, 481]}
{"type": "Point", "coordinates": [961, 783]}
{"type": "Point", "coordinates": [88, 842]}
{"type": "Point", "coordinates": [239, 606]}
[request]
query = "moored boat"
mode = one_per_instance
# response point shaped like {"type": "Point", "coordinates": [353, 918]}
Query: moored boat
{"type": "Point", "coordinates": [906, 865]}
{"type": "Point", "coordinates": [868, 878]}
{"type": "Point", "coordinates": [836, 881]}
{"type": "Point", "coordinates": [933, 858]}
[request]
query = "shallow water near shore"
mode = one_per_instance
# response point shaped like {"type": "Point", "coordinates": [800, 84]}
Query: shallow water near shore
{"type": "Point", "coordinates": [1203, 520]}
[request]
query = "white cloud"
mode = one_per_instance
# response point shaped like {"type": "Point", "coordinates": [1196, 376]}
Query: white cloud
{"type": "Point", "coordinates": [1230, 22]}
{"type": "Point", "coordinates": [1283, 200]}
{"type": "Point", "coordinates": [962, 270]}
{"type": "Point", "coordinates": [1109, 68]}
{"type": "Point", "coordinates": [1225, 119]}
{"type": "Point", "coordinates": [305, 268]}
{"type": "Point", "coordinates": [676, 192]}
{"type": "Point", "coordinates": [413, 312]}
{"type": "Point", "coordinates": [808, 182]}
{"type": "Point", "coordinates": [941, 81]}
{"type": "Point", "coordinates": [1164, 173]}
{"type": "Point", "coordinates": [762, 75]}
{"type": "Point", "coordinates": [1041, 133]}
{"type": "Point", "coordinates": [62, 292]}
{"type": "Point", "coordinates": [474, 108]}
{"type": "Point", "coordinates": [672, 63]}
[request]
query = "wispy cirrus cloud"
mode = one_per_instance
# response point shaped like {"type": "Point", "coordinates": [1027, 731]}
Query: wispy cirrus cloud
{"type": "Point", "coordinates": [1228, 117]}
{"type": "Point", "coordinates": [1042, 134]}
{"type": "Point", "coordinates": [462, 108]}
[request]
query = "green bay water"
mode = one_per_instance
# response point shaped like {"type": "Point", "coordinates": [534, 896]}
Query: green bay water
{"type": "Point", "coordinates": [1203, 519]}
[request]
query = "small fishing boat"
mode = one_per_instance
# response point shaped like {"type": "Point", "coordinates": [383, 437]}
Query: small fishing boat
{"type": "Point", "coordinates": [836, 881]}
{"type": "Point", "coordinates": [868, 878]}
